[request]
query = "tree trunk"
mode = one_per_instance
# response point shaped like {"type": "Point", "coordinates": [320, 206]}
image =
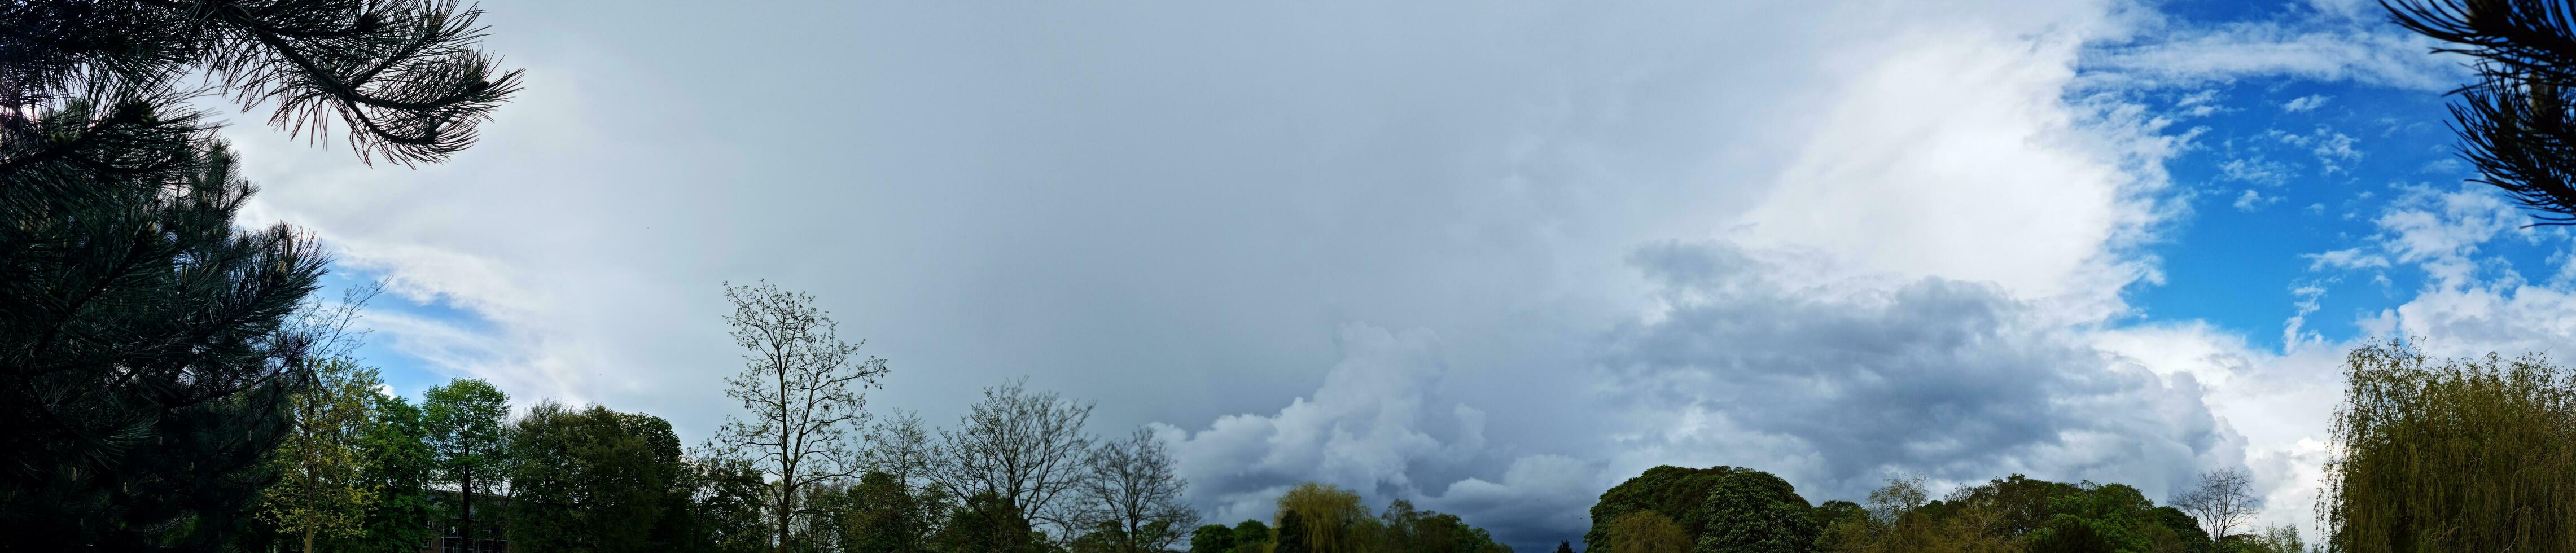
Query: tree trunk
{"type": "Point", "coordinates": [308, 540]}
{"type": "Point", "coordinates": [466, 493]}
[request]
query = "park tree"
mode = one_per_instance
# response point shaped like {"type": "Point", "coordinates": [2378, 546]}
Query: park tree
{"type": "Point", "coordinates": [1253, 536]}
{"type": "Point", "coordinates": [1294, 537]}
{"type": "Point", "coordinates": [1647, 531]}
{"type": "Point", "coordinates": [146, 363]}
{"type": "Point", "coordinates": [396, 462]}
{"type": "Point", "coordinates": [1723, 509]}
{"type": "Point", "coordinates": [1329, 519]}
{"type": "Point", "coordinates": [590, 480]}
{"type": "Point", "coordinates": [882, 515]}
{"type": "Point", "coordinates": [1025, 449]}
{"type": "Point", "coordinates": [465, 421]}
{"type": "Point", "coordinates": [1755, 512]}
{"type": "Point", "coordinates": [727, 504]}
{"type": "Point", "coordinates": [1135, 490]}
{"type": "Point", "coordinates": [1404, 529]}
{"type": "Point", "coordinates": [2222, 500]}
{"type": "Point", "coordinates": [322, 492]}
{"type": "Point", "coordinates": [804, 389]}
{"type": "Point", "coordinates": [1212, 538]}
{"type": "Point", "coordinates": [2471, 454]}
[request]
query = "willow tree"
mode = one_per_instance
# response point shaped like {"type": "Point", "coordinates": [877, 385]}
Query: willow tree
{"type": "Point", "coordinates": [804, 388]}
{"type": "Point", "coordinates": [2475, 454]}
{"type": "Point", "coordinates": [145, 364]}
{"type": "Point", "coordinates": [1329, 519]}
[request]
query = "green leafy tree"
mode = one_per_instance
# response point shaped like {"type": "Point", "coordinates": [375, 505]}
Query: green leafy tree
{"type": "Point", "coordinates": [148, 361]}
{"type": "Point", "coordinates": [1723, 509]}
{"type": "Point", "coordinates": [1564, 547]}
{"type": "Point", "coordinates": [882, 515]}
{"type": "Point", "coordinates": [468, 438]}
{"type": "Point", "coordinates": [728, 501]}
{"type": "Point", "coordinates": [2475, 454]}
{"type": "Point", "coordinates": [1647, 531]}
{"type": "Point", "coordinates": [589, 480]}
{"type": "Point", "coordinates": [1755, 512]}
{"type": "Point", "coordinates": [804, 390]}
{"type": "Point", "coordinates": [1404, 529]}
{"type": "Point", "coordinates": [1212, 538]}
{"type": "Point", "coordinates": [1252, 536]}
{"type": "Point", "coordinates": [321, 492]}
{"type": "Point", "coordinates": [397, 464]}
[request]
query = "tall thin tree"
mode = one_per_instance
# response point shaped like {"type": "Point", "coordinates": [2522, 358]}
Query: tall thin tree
{"type": "Point", "coordinates": [804, 388]}
{"type": "Point", "coordinates": [468, 440]}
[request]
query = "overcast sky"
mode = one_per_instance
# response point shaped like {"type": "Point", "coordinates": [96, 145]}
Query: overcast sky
{"type": "Point", "coordinates": [1491, 257]}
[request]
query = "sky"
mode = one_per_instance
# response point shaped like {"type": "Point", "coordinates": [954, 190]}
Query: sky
{"type": "Point", "coordinates": [1488, 257]}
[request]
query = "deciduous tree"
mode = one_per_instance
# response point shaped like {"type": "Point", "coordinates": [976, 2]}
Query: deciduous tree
{"type": "Point", "coordinates": [322, 492]}
{"type": "Point", "coordinates": [1025, 449]}
{"type": "Point", "coordinates": [468, 444]}
{"type": "Point", "coordinates": [1135, 489]}
{"type": "Point", "coordinates": [2222, 500]}
{"type": "Point", "coordinates": [804, 389]}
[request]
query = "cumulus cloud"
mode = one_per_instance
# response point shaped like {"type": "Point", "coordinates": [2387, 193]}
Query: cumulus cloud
{"type": "Point", "coordinates": [1955, 379]}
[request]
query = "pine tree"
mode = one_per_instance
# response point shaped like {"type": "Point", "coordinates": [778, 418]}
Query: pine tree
{"type": "Point", "coordinates": [147, 355]}
{"type": "Point", "coordinates": [2515, 121]}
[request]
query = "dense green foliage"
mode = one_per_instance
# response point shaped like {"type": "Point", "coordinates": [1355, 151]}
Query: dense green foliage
{"type": "Point", "coordinates": [2452, 455]}
{"type": "Point", "coordinates": [396, 461]}
{"type": "Point", "coordinates": [1722, 509]}
{"type": "Point", "coordinates": [466, 420]}
{"type": "Point", "coordinates": [591, 480]}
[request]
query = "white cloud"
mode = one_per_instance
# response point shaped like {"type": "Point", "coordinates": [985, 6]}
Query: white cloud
{"type": "Point", "coordinates": [2305, 103]}
{"type": "Point", "coordinates": [2252, 201]}
{"type": "Point", "coordinates": [2327, 49]}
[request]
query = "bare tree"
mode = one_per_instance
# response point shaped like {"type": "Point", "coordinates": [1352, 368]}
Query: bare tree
{"type": "Point", "coordinates": [805, 389]}
{"type": "Point", "coordinates": [2223, 501]}
{"type": "Point", "coordinates": [1024, 448]}
{"type": "Point", "coordinates": [1134, 487]}
{"type": "Point", "coordinates": [900, 446]}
